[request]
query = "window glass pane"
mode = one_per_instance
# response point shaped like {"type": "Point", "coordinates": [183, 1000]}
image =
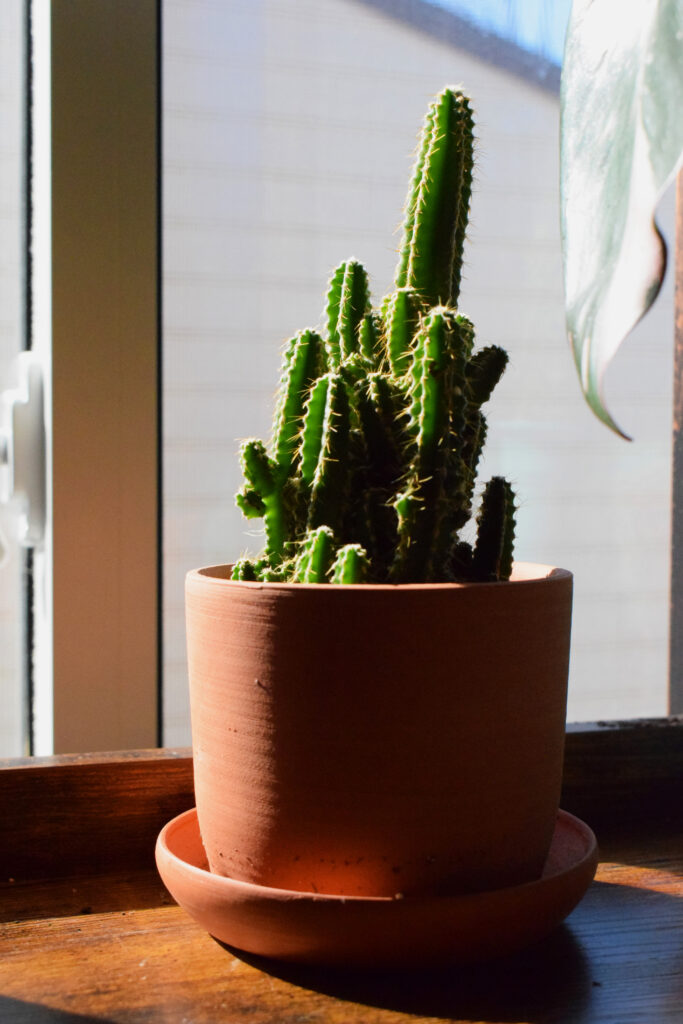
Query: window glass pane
{"type": "Point", "coordinates": [12, 696]}
{"type": "Point", "coordinates": [288, 130]}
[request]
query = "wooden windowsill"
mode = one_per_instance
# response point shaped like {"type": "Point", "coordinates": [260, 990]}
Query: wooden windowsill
{"type": "Point", "coordinates": [89, 933]}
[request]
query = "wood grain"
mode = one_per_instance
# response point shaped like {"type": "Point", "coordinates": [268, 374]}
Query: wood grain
{"type": "Point", "coordinates": [89, 933]}
{"type": "Point", "coordinates": [620, 771]}
{"type": "Point", "coordinates": [88, 814]}
{"type": "Point", "coordinates": [617, 960]}
{"type": "Point", "coordinates": [81, 895]}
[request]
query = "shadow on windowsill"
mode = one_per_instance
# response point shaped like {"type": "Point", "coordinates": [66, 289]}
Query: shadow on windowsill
{"type": "Point", "coordinates": [547, 983]}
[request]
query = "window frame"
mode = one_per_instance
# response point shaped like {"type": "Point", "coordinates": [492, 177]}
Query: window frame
{"type": "Point", "coordinates": [103, 691]}
{"type": "Point", "coordinates": [676, 602]}
{"type": "Point", "coordinates": [95, 229]}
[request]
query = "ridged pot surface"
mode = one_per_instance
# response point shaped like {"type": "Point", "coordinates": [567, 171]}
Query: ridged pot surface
{"type": "Point", "coordinates": [378, 740]}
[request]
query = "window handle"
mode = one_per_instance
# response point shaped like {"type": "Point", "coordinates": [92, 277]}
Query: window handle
{"type": "Point", "coordinates": [22, 450]}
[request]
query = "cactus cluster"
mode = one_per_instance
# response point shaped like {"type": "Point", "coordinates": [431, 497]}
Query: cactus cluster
{"type": "Point", "coordinates": [378, 429]}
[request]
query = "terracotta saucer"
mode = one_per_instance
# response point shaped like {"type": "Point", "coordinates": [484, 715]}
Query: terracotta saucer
{"type": "Point", "coordinates": [376, 932]}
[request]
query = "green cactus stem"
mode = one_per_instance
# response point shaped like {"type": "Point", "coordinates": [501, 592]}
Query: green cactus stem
{"type": "Point", "coordinates": [312, 431]}
{"type": "Point", "coordinates": [407, 506]}
{"type": "Point", "coordinates": [370, 339]}
{"type": "Point", "coordinates": [354, 370]}
{"type": "Point", "coordinates": [439, 208]}
{"type": "Point", "coordinates": [348, 302]}
{"type": "Point", "coordinates": [329, 486]}
{"type": "Point", "coordinates": [461, 561]}
{"type": "Point", "coordinates": [301, 367]}
{"type": "Point", "coordinates": [378, 531]}
{"type": "Point", "coordinates": [458, 486]}
{"type": "Point", "coordinates": [474, 437]}
{"type": "Point", "coordinates": [351, 565]}
{"type": "Point", "coordinates": [261, 570]}
{"type": "Point", "coordinates": [263, 479]}
{"type": "Point", "coordinates": [402, 316]}
{"type": "Point", "coordinates": [429, 429]}
{"type": "Point", "coordinates": [378, 408]}
{"type": "Point", "coordinates": [401, 277]}
{"type": "Point", "coordinates": [492, 557]}
{"type": "Point", "coordinates": [244, 569]}
{"type": "Point", "coordinates": [332, 302]}
{"type": "Point", "coordinates": [250, 503]}
{"type": "Point", "coordinates": [437, 419]}
{"type": "Point", "coordinates": [353, 306]}
{"type": "Point", "coordinates": [314, 559]}
{"type": "Point", "coordinates": [484, 370]}
{"type": "Point", "coordinates": [431, 389]}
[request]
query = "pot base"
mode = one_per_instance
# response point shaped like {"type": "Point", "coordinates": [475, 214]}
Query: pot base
{"type": "Point", "coordinates": [371, 932]}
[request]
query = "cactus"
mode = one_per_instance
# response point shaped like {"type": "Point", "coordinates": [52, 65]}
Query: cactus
{"type": "Point", "coordinates": [379, 429]}
{"type": "Point", "coordinates": [314, 560]}
{"type": "Point", "coordinates": [492, 555]}
{"type": "Point", "coordinates": [351, 565]}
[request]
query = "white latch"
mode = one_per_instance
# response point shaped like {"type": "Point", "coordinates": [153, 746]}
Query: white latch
{"type": "Point", "coordinates": [22, 450]}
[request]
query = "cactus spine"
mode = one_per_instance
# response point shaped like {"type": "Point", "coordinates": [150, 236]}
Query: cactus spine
{"type": "Point", "coordinates": [379, 428]}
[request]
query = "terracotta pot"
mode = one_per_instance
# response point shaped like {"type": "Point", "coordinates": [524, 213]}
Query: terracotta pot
{"type": "Point", "coordinates": [378, 740]}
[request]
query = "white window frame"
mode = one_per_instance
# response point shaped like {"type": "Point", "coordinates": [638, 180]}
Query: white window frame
{"type": "Point", "coordinates": [95, 289]}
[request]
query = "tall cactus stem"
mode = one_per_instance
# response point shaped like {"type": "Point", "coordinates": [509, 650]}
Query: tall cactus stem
{"type": "Point", "coordinates": [424, 143]}
{"type": "Point", "coordinates": [442, 205]}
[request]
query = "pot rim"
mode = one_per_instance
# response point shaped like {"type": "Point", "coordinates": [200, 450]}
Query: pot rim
{"type": "Point", "coordinates": [523, 573]}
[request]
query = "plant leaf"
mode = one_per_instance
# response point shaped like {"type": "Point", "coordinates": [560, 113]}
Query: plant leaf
{"type": "Point", "coordinates": [621, 145]}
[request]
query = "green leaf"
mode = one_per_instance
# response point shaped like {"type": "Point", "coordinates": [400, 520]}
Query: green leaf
{"type": "Point", "coordinates": [621, 145]}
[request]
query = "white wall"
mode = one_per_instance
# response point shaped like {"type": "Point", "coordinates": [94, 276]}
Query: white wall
{"type": "Point", "coordinates": [288, 134]}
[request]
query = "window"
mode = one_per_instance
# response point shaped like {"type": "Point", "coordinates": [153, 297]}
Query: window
{"type": "Point", "coordinates": [285, 146]}
{"type": "Point", "coordinates": [288, 129]}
